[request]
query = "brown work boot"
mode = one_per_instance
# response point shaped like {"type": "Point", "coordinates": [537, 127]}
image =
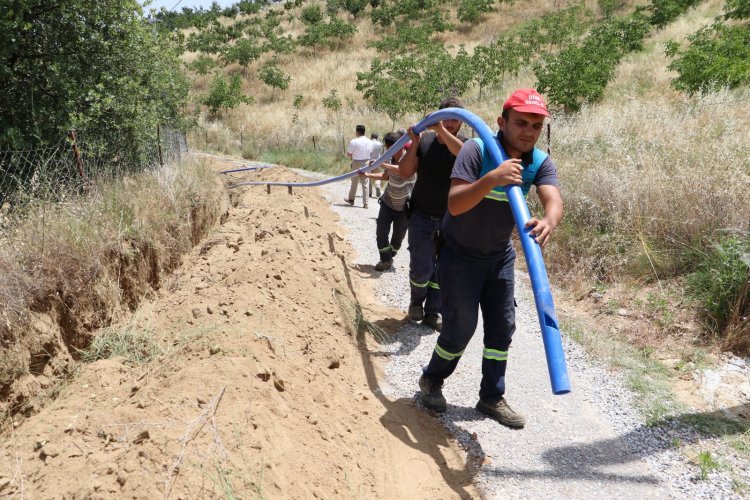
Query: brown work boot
{"type": "Point", "coordinates": [416, 311]}
{"type": "Point", "coordinates": [383, 265]}
{"type": "Point", "coordinates": [432, 395]}
{"type": "Point", "coordinates": [502, 412]}
{"type": "Point", "coordinates": [433, 321]}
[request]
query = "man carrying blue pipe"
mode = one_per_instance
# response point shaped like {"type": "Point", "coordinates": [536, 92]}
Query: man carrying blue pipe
{"type": "Point", "coordinates": [477, 258]}
{"type": "Point", "coordinates": [431, 156]}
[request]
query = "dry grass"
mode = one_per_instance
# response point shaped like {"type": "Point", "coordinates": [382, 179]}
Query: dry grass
{"type": "Point", "coordinates": [85, 262]}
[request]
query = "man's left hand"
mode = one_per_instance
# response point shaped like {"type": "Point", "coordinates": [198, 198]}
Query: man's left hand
{"type": "Point", "coordinates": [541, 229]}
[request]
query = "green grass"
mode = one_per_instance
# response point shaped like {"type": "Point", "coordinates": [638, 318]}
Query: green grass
{"type": "Point", "coordinates": [135, 346]}
{"type": "Point", "coordinates": [707, 463]}
{"type": "Point", "coordinates": [314, 161]}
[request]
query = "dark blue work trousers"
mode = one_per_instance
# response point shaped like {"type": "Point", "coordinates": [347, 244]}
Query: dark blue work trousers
{"type": "Point", "coordinates": [466, 286]}
{"type": "Point", "coordinates": [388, 217]}
{"type": "Point", "coordinates": [425, 290]}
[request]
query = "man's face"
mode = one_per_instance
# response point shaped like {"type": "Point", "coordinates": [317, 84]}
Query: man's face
{"type": "Point", "coordinates": [521, 130]}
{"type": "Point", "coordinates": [452, 125]}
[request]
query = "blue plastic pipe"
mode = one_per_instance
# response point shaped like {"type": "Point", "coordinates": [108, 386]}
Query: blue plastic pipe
{"type": "Point", "coordinates": [244, 169]}
{"type": "Point", "coordinates": [545, 307]}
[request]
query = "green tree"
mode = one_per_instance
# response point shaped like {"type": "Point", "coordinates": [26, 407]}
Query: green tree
{"type": "Point", "coordinates": [202, 65]}
{"type": "Point", "coordinates": [311, 14]}
{"type": "Point", "coordinates": [116, 86]}
{"type": "Point", "coordinates": [272, 76]}
{"type": "Point", "coordinates": [225, 95]}
{"type": "Point", "coordinates": [242, 52]}
{"type": "Point", "coordinates": [717, 56]}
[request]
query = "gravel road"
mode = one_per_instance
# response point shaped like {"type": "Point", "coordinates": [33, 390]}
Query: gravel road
{"type": "Point", "coordinates": [590, 443]}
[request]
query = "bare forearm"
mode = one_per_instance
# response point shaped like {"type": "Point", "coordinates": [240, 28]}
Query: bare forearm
{"type": "Point", "coordinates": [464, 196]}
{"type": "Point", "coordinates": [409, 163]}
{"type": "Point", "coordinates": [453, 143]}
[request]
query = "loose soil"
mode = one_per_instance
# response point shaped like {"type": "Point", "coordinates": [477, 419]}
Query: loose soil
{"type": "Point", "coordinates": [263, 387]}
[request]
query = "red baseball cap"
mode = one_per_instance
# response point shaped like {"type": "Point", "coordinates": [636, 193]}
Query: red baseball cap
{"type": "Point", "coordinates": [526, 101]}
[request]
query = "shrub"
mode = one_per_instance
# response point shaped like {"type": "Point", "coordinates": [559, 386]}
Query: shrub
{"type": "Point", "coordinates": [311, 14]}
{"type": "Point", "coordinates": [721, 282]}
{"type": "Point", "coordinates": [272, 76]}
{"type": "Point", "coordinates": [223, 95]}
{"type": "Point", "coordinates": [718, 56]}
{"type": "Point", "coordinates": [202, 65]}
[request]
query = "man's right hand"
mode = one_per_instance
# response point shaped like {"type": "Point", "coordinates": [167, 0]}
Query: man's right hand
{"type": "Point", "coordinates": [413, 135]}
{"type": "Point", "coordinates": [508, 172]}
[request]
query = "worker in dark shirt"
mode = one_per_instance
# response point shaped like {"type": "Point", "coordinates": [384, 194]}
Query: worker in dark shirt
{"type": "Point", "coordinates": [477, 258]}
{"type": "Point", "coordinates": [431, 156]}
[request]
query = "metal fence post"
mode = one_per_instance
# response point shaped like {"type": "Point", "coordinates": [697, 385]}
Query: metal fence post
{"type": "Point", "coordinates": [77, 155]}
{"type": "Point", "coordinates": [158, 143]}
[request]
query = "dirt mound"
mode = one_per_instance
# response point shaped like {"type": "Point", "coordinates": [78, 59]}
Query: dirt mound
{"type": "Point", "coordinates": [262, 385]}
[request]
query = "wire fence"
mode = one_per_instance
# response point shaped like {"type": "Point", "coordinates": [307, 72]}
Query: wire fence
{"type": "Point", "coordinates": [74, 167]}
{"type": "Point", "coordinates": [74, 164]}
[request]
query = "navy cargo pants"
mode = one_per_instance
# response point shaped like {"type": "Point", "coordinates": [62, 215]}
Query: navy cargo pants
{"type": "Point", "coordinates": [467, 286]}
{"type": "Point", "coordinates": [389, 243]}
{"type": "Point", "coordinates": [424, 284]}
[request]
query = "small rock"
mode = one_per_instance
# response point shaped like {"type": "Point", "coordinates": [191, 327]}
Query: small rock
{"type": "Point", "coordinates": [278, 384]}
{"type": "Point", "coordinates": [4, 483]}
{"type": "Point", "coordinates": [214, 349]}
{"type": "Point", "coordinates": [337, 321]}
{"type": "Point", "coordinates": [209, 310]}
{"type": "Point", "coordinates": [196, 313]}
{"type": "Point", "coordinates": [141, 437]}
{"type": "Point", "coordinates": [474, 436]}
{"type": "Point", "coordinates": [121, 479]}
{"type": "Point", "coordinates": [335, 363]}
{"type": "Point", "coordinates": [49, 451]}
{"type": "Point", "coordinates": [622, 312]}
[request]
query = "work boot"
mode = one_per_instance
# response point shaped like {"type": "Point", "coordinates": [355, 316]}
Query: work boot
{"type": "Point", "coordinates": [350, 202]}
{"type": "Point", "coordinates": [416, 311]}
{"type": "Point", "coordinates": [502, 412]}
{"type": "Point", "coordinates": [383, 265]}
{"type": "Point", "coordinates": [432, 394]}
{"type": "Point", "coordinates": [433, 321]}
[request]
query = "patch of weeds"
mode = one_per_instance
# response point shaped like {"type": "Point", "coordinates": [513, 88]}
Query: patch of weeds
{"type": "Point", "coordinates": [714, 424]}
{"type": "Point", "coordinates": [660, 308]}
{"type": "Point", "coordinates": [357, 320]}
{"type": "Point", "coordinates": [706, 463]}
{"type": "Point", "coordinates": [572, 330]}
{"type": "Point", "coordinates": [693, 359]}
{"type": "Point", "coordinates": [649, 379]}
{"type": "Point", "coordinates": [740, 487]}
{"type": "Point", "coordinates": [611, 307]}
{"type": "Point", "coordinates": [721, 283]}
{"type": "Point", "coordinates": [676, 442]}
{"type": "Point", "coordinates": [225, 482]}
{"type": "Point", "coordinates": [134, 346]}
{"type": "Point", "coordinates": [12, 366]}
{"type": "Point", "coordinates": [741, 442]}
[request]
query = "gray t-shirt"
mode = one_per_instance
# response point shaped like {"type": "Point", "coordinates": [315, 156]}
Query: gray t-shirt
{"type": "Point", "coordinates": [483, 233]}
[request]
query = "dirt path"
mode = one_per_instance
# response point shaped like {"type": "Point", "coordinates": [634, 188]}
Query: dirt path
{"type": "Point", "coordinates": [259, 391]}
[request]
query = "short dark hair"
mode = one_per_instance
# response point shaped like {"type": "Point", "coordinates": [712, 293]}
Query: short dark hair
{"type": "Point", "coordinates": [451, 102]}
{"type": "Point", "coordinates": [374, 135]}
{"type": "Point", "coordinates": [360, 129]}
{"type": "Point", "coordinates": [391, 138]}
{"type": "Point", "coordinates": [505, 114]}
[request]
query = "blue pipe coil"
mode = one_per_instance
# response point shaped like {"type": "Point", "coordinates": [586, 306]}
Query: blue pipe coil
{"type": "Point", "coordinates": [545, 307]}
